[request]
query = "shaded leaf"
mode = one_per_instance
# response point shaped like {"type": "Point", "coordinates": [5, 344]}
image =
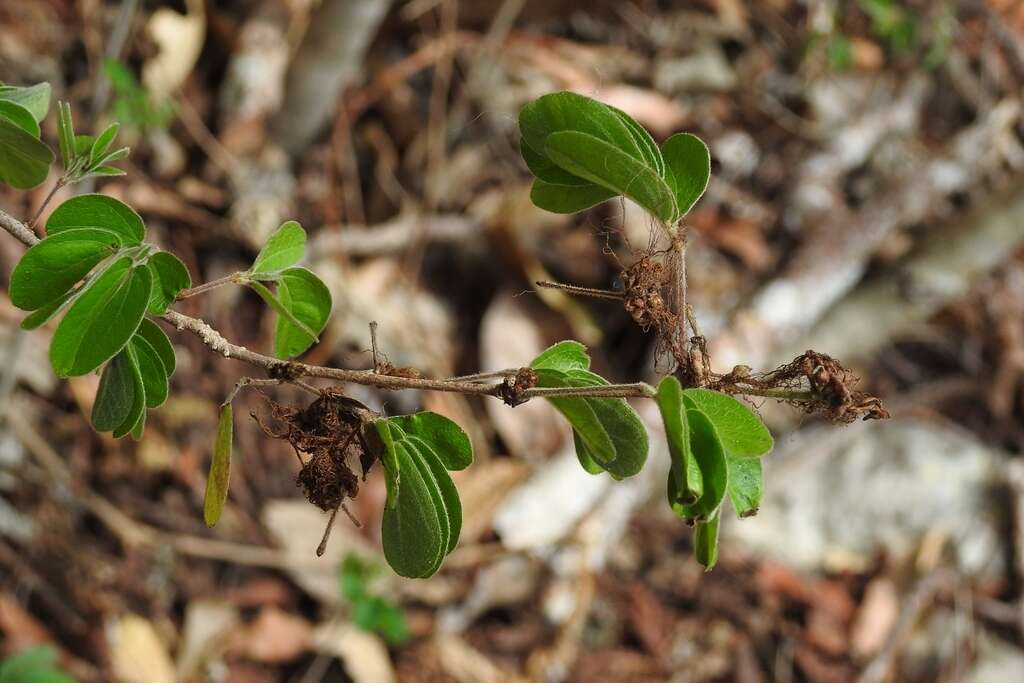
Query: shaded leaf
{"type": "Point", "coordinates": [24, 160]}
{"type": "Point", "coordinates": [49, 269]}
{"type": "Point", "coordinates": [219, 477]}
{"type": "Point", "coordinates": [283, 249]}
{"type": "Point", "coordinates": [66, 134]}
{"type": "Point", "coordinates": [137, 411]}
{"type": "Point", "coordinates": [102, 143]}
{"type": "Point", "coordinates": [115, 396]}
{"type": "Point", "coordinates": [157, 338]}
{"type": "Point", "coordinates": [151, 368]}
{"type": "Point", "coordinates": [97, 211]}
{"type": "Point", "coordinates": [567, 198]}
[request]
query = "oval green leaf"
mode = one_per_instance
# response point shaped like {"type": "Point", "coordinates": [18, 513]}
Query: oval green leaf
{"type": "Point", "coordinates": [102, 319]}
{"type": "Point", "coordinates": [565, 355]}
{"type": "Point", "coordinates": [412, 533]}
{"type": "Point", "coordinates": [170, 276]}
{"type": "Point", "coordinates": [219, 477]}
{"type": "Point", "coordinates": [746, 485]}
{"type": "Point", "coordinates": [742, 433]}
{"type": "Point", "coordinates": [97, 211]}
{"type": "Point", "coordinates": [308, 301]}
{"type": "Point", "coordinates": [432, 468]}
{"type": "Point", "coordinates": [115, 396]}
{"type": "Point", "coordinates": [567, 198]}
{"type": "Point", "coordinates": [283, 249]}
{"type": "Point", "coordinates": [49, 269]}
{"type": "Point", "coordinates": [687, 169]}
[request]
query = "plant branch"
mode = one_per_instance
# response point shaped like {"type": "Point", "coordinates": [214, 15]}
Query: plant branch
{"type": "Point", "coordinates": [292, 370]}
{"type": "Point", "coordinates": [61, 182]}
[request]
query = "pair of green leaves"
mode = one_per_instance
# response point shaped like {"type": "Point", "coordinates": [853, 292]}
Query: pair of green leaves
{"type": "Point", "coordinates": [608, 434]}
{"type": "Point", "coordinates": [423, 515]}
{"type": "Point", "coordinates": [369, 612]}
{"type": "Point", "coordinates": [137, 378]}
{"type": "Point", "coordinates": [302, 301]}
{"type": "Point", "coordinates": [24, 159]}
{"type": "Point", "coordinates": [85, 156]}
{"type": "Point", "coordinates": [715, 442]}
{"type": "Point", "coordinates": [583, 152]}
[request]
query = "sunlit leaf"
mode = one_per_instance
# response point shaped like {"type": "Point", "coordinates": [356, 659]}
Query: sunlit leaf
{"type": "Point", "coordinates": [687, 169]}
{"type": "Point", "coordinates": [97, 211]}
{"type": "Point", "coordinates": [308, 302]}
{"type": "Point", "coordinates": [170, 276]}
{"type": "Point", "coordinates": [283, 249]}
{"type": "Point", "coordinates": [743, 434]}
{"type": "Point", "coordinates": [49, 269]}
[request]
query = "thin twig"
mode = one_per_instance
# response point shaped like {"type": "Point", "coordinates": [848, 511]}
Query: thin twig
{"type": "Point", "coordinates": [61, 182]}
{"type": "Point", "coordinates": [583, 291]}
{"type": "Point", "coordinates": [207, 286]}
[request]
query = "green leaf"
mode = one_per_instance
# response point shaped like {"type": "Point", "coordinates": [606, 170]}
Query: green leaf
{"type": "Point", "coordinates": [608, 166]}
{"type": "Point", "coordinates": [685, 484]}
{"type": "Point", "coordinates": [151, 368]}
{"type": "Point", "coordinates": [34, 98]}
{"type": "Point", "coordinates": [46, 313]}
{"type": "Point", "coordinates": [137, 412]}
{"type": "Point", "coordinates": [308, 304]}
{"type": "Point", "coordinates": [707, 451]}
{"type": "Point", "coordinates": [546, 170]}
{"type": "Point", "coordinates": [445, 437]}
{"type": "Point", "coordinates": [102, 319]}
{"type": "Point", "coordinates": [568, 111]}
{"type": "Point", "coordinates": [139, 428]}
{"type": "Point", "coordinates": [33, 665]}
{"type": "Point", "coordinates": [108, 171]}
{"type": "Point", "coordinates": [66, 134]}
{"type": "Point", "coordinates": [413, 534]}
{"type": "Point", "coordinates": [97, 211]}
{"type": "Point", "coordinates": [563, 356]}
{"type": "Point", "coordinates": [746, 485]}
{"type": "Point", "coordinates": [644, 141]}
{"type": "Point", "coordinates": [581, 415]}
{"type": "Point", "coordinates": [170, 276]}
{"type": "Point", "coordinates": [742, 433]}
{"type": "Point", "coordinates": [687, 169]}
{"type": "Point", "coordinates": [24, 160]}
{"type": "Point", "coordinates": [83, 145]}
{"type": "Point", "coordinates": [447, 498]}
{"type": "Point", "coordinates": [567, 198]}
{"type": "Point", "coordinates": [612, 432]}
{"type": "Point", "coordinates": [102, 143]}
{"type": "Point", "coordinates": [49, 269]}
{"type": "Point", "coordinates": [220, 468]}
{"type": "Point", "coordinates": [19, 116]}
{"type": "Point", "coordinates": [156, 337]}
{"type": "Point", "coordinates": [278, 307]}
{"type": "Point", "coordinates": [115, 396]}
{"type": "Point", "coordinates": [705, 541]}
{"type": "Point", "coordinates": [283, 249]}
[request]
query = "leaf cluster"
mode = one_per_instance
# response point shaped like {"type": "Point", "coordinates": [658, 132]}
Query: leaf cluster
{"type": "Point", "coordinates": [370, 612]}
{"type": "Point", "coordinates": [583, 152]}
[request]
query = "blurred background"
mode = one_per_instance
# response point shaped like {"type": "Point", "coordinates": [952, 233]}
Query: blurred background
{"type": "Point", "coordinates": [866, 202]}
